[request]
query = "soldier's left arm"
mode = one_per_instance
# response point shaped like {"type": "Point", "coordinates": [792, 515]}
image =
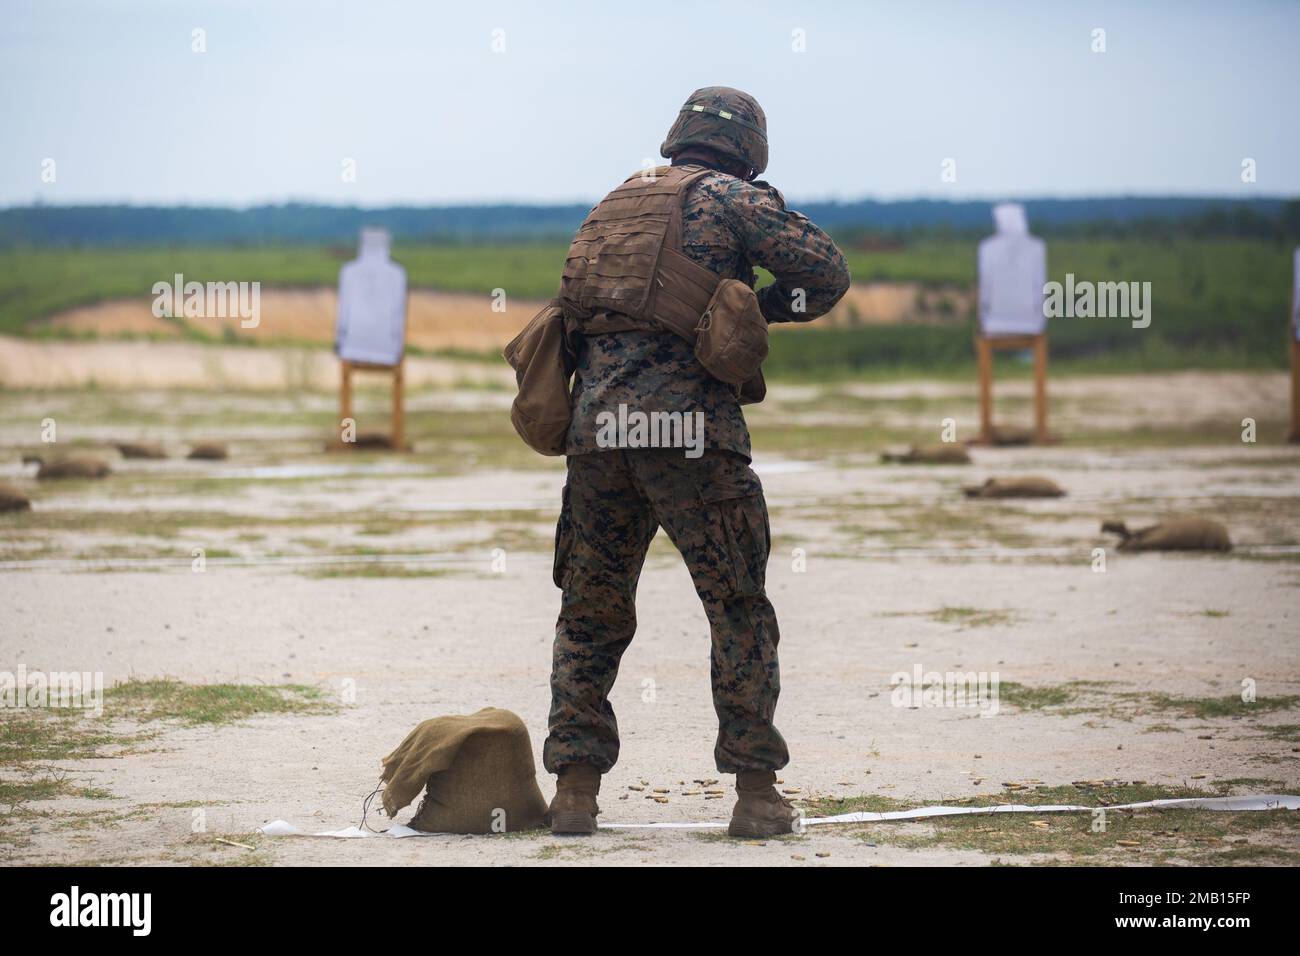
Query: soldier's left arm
{"type": "Point", "coordinates": [810, 271]}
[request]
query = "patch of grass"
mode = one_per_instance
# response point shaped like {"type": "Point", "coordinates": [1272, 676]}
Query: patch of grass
{"type": "Point", "coordinates": [600, 844]}
{"type": "Point", "coordinates": [906, 526]}
{"type": "Point", "coordinates": [55, 734]}
{"type": "Point", "coordinates": [1035, 698]}
{"type": "Point", "coordinates": [30, 737]}
{"type": "Point", "coordinates": [550, 851]}
{"type": "Point", "coordinates": [795, 439]}
{"type": "Point", "coordinates": [40, 281]}
{"type": "Point", "coordinates": [14, 793]}
{"type": "Point", "coordinates": [1271, 559]}
{"type": "Point", "coordinates": [1243, 854]}
{"type": "Point", "coordinates": [1162, 835]}
{"type": "Point", "coordinates": [43, 785]}
{"type": "Point", "coordinates": [866, 803]}
{"type": "Point", "coordinates": [223, 854]}
{"type": "Point", "coordinates": [164, 699]}
{"type": "Point", "coordinates": [1208, 708]}
{"type": "Point", "coordinates": [1290, 732]}
{"type": "Point", "coordinates": [113, 819]}
{"type": "Point", "coordinates": [1169, 835]}
{"type": "Point", "coordinates": [1255, 784]}
{"type": "Point", "coordinates": [1093, 697]}
{"type": "Point", "coordinates": [969, 617]}
{"type": "Point", "coordinates": [1109, 793]}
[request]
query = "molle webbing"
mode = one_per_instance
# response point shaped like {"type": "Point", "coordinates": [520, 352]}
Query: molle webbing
{"type": "Point", "coordinates": [627, 259]}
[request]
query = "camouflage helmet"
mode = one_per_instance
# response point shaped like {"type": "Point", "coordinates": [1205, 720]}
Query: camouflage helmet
{"type": "Point", "coordinates": [725, 120]}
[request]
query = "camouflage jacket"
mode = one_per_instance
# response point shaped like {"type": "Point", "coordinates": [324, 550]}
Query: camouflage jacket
{"type": "Point", "coordinates": [729, 226]}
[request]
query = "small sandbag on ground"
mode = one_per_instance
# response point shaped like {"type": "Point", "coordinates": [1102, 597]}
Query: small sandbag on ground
{"type": "Point", "coordinates": [11, 499]}
{"type": "Point", "coordinates": [208, 451]}
{"type": "Point", "coordinates": [140, 449]}
{"type": "Point", "coordinates": [73, 466]}
{"type": "Point", "coordinates": [1173, 534]}
{"type": "Point", "coordinates": [1028, 487]}
{"type": "Point", "coordinates": [477, 772]}
{"type": "Point", "coordinates": [943, 453]}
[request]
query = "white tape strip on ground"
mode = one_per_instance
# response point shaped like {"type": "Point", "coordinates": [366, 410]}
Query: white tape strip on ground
{"type": "Point", "coordinates": [1268, 801]}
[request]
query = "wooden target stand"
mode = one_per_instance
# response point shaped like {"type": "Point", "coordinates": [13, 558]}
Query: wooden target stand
{"type": "Point", "coordinates": [396, 439]}
{"type": "Point", "coordinates": [985, 346]}
{"type": "Point", "coordinates": [1294, 435]}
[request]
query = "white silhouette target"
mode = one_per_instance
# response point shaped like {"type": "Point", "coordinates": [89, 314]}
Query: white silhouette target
{"type": "Point", "coordinates": [1012, 273]}
{"type": "Point", "coordinates": [372, 304]}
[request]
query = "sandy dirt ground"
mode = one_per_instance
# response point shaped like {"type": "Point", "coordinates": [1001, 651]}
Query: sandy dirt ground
{"type": "Point", "coordinates": [371, 579]}
{"type": "Point", "coordinates": [435, 320]}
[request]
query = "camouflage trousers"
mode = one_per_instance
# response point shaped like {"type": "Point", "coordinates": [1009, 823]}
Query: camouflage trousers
{"type": "Point", "coordinates": [713, 511]}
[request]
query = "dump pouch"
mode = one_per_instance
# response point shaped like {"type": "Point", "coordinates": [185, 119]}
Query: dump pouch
{"type": "Point", "coordinates": [543, 365]}
{"type": "Point", "coordinates": [731, 337]}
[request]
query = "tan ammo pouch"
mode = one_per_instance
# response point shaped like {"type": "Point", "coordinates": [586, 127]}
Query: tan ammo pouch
{"type": "Point", "coordinates": [731, 340]}
{"type": "Point", "coordinates": [543, 365]}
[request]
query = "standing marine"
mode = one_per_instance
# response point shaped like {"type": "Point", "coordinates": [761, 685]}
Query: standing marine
{"type": "Point", "coordinates": [623, 300]}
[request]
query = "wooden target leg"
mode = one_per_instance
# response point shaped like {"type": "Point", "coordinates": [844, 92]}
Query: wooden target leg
{"type": "Point", "coordinates": [1294, 435]}
{"type": "Point", "coordinates": [984, 358]}
{"type": "Point", "coordinates": [345, 398]}
{"type": "Point", "coordinates": [1040, 389]}
{"type": "Point", "coordinates": [399, 409]}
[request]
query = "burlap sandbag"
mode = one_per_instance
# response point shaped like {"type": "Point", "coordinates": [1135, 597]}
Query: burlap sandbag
{"type": "Point", "coordinates": [1172, 534]}
{"type": "Point", "coordinates": [1031, 486]}
{"type": "Point", "coordinates": [11, 499]}
{"type": "Point", "coordinates": [943, 453]}
{"type": "Point", "coordinates": [477, 772]}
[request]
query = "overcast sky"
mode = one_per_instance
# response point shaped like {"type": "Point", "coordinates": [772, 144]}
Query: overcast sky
{"type": "Point", "coordinates": [881, 95]}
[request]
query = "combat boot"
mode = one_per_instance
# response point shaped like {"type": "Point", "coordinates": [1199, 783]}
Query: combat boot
{"type": "Point", "coordinates": [574, 808]}
{"type": "Point", "coordinates": [760, 811]}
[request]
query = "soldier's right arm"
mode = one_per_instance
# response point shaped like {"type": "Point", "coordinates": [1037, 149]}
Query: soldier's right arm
{"type": "Point", "coordinates": [810, 271]}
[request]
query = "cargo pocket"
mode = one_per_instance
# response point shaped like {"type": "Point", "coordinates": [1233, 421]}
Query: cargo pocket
{"type": "Point", "coordinates": [737, 518]}
{"type": "Point", "coordinates": [563, 541]}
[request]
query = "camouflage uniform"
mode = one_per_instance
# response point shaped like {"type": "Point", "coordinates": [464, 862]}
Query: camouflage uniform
{"type": "Point", "coordinates": [712, 510]}
{"type": "Point", "coordinates": [711, 507]}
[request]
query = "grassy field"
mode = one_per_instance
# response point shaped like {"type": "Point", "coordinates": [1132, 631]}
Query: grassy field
{"type": "Point", "coordinates": [1217, 303]}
